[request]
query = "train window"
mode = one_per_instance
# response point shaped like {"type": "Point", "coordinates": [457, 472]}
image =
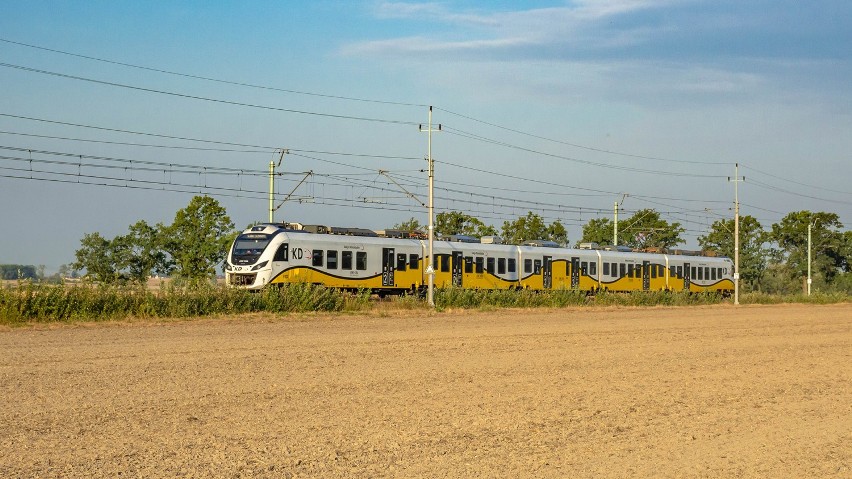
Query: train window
{"type": "Point", "coordinates": [361, 260]}
{"type": "Point", "coordinates": [281, 253]}
{"type": "Point", "coordinates": [713, 273]}
{"type": "Point", "coordinates": [331, 260]}
{"type": "Point", "coordinates": [528, 266]}
{"type": "Point", "coordinates": [537, 266]}
{"type": "Point", "coordinates": [584, 268]}
{"type": "Point", "coordinates": [501, 265]}
{"type": "Point", "coordinates": [692, 272]}
{"type": "Point", "coordinates": [479, 262]}
{"type": "Point", "coordinates": [400, 262]}
{"type": "Point", "coordinates": [629, 270]}
{"type": "Point", "coordinates": [621, 270]}
{"type": "Point", "coordinates": [613, 270]}
{"type": "Point", "coordinates": [653, 271]}
{"type": "Point", "coordinates": [606, 269]}
{"type": "Point", "coordinates": [679, 272]}
{"type": "Point", "coordinates": [317, 257]}
{"type": "Point", "coordinates": [510, 267]}
{"type": "Point", "coordinates": [445, 262]}
{"type": "Point", "coordinates": [468, 264]}
{"type": "Point", "coordinates": [706, 272]}
{"type": "Point", "coordinates": [489, 265]}
{"type": "Point", "coordinates": [346, 260]}
{"type": "Point", "coordinates": [593, 269]}
{"type": "Point", "coordinates": [700, 273]}
{"type": "Point", "coordinates": [413, 261]}
{"type": "Point", "coordinates": [719, 274]}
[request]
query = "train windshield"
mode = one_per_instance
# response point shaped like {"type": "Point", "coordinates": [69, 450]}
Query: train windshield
{"type": "Point", "coordinates": [250, 245]}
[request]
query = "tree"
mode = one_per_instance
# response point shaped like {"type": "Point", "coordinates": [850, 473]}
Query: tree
{"type": "Point", "coordinates": [827, 244]}
{"type": "Point", "coordinates": [598, 230]}
{"type": "Point", "coordinates": [198, 239]}
{"type": "Point", "coordinates": [458, 223]}
{"type": "Point", "coordinates": [140, 252]}
{"type": "Point", "coordinates": [410, 226]}
{"type": "Point", "coordinates": [532, 227]}
{"type": "Point", "coordinates": [98, 257]}
{"type": "Point", "coordinates": [753, 253]}
{"type": "Point", "coordinates": [645, 229]}
{"type": "Point", "coordinates": [17, 271]}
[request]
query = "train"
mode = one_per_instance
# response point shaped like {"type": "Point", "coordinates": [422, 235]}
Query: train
{"type": "Point", "coordinates": [392, 262]}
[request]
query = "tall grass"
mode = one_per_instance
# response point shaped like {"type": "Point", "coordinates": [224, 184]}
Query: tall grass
{"type": "Point", "coordinates": [28, 302]}
{"type": "Point", "coordinates": [814, 298]}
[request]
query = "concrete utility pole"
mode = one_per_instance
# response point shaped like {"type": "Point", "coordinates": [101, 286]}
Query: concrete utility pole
{"type": "Point", "coordinates": [736, 181]}
{"type": "Point", "coordinates": [430, 268]}
{"type": "Point", "coordinates": [272, 185]}
{"type": "Point", "coordinates": [271, 191]}
{"type": "Point", "coordinates": [809, 254]}
{"type": "Point", "coordinates": [615, 221]}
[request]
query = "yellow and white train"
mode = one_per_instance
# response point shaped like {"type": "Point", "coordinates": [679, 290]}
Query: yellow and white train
{"type": "Point", "coordinates": [386, 262]}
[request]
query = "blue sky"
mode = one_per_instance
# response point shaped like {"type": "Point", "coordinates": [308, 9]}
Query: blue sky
{"type": "Point", "coordinates": [555, 107]}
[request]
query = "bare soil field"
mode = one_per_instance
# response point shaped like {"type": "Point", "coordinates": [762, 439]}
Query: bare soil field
{"type": "Point", "coordinates": [716, 391]}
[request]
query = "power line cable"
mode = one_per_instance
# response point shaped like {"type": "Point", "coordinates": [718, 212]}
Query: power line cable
{"type": "Point", "coordinates": [822, 188]}
{"type": "Point", "coordinates": [198, 140]}
{"type": "Point", "coordinates": [208, 99]}
{"type": "Point", "coordinates": [575, 145]}
{"type": "Point", "coordinates": [216, 80]}
{"type": "Point", "coordinates": [457, 132]}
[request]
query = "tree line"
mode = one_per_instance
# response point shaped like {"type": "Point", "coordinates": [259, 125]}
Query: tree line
{"type": "Point", "coordinates": [772, 259]}
{"type": "Point", "coordinates": [190, 248]}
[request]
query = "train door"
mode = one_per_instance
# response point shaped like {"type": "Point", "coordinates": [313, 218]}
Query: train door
{"type": "Point", "coordinates": [458, 268]}
{"type": "Point", "coordinates": [387, 266]}
{"type": "Point", "coordinates": [547, 272]}
{"type": "Point", "coordinates": [646, 275]}
{"type": "Point", "coordinates": [575, 272]}
{"type": "Point", "coordinates": [686, 277]}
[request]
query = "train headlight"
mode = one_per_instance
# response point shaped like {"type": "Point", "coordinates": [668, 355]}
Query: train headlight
{"type": "Point", "coordinates": [228, 266]}
{"type": "Point", "coordinates": [260, 265]}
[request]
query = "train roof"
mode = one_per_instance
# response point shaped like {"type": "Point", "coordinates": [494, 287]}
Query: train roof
{"type": "Point", "coordinates": [319, 230]}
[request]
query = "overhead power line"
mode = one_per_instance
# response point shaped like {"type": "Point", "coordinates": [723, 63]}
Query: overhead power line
{"type": "Point", "coordinates": [208, 99]}
{"type": "Point", "coordinates": [472, 136]}
{"type": "Point", "coordinates": [269, 149]}
{"type": "Point", "coordinates": [575, 145]}
{"type": "Point", "coordinates": [216, 80]}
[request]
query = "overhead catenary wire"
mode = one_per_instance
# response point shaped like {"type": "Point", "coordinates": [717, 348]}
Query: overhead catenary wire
{"type": "Point", "coordinates": [349, 98]}
{"type": "Point", "coordinates": [483, 138]}
{"type": "Point", "coordinates": [266, 149]}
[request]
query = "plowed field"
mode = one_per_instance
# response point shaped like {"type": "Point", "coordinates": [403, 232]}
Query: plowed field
{"type": "Point", "coordinates": [753, 391]}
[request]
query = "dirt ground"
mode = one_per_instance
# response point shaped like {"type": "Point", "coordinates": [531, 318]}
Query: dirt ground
{"type": "Point", "coordinates": [719, 391]}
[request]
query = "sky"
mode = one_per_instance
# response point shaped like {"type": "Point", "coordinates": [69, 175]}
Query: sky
{"type": "Point", "coordinates": [113, 112]}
